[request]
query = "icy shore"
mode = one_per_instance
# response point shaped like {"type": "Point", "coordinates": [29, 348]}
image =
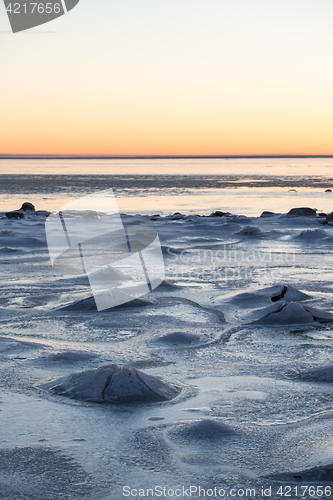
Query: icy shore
{"type": "Point", "coordinates": [231, 359]}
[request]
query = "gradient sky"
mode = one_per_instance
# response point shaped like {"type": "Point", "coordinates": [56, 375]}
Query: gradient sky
{"type": "Point", "coordinates": [171, 77]}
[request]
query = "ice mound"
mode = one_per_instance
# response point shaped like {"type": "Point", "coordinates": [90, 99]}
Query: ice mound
{"type": "Point", "coordinates": [112, 384]}
{"type": "Point", "coordinates": [285, 314]}
{"type": "Point", "coordinates": [177, 338]}
{"type": "Point", "coordinates": [8, 344]}
{"type": "Point", "coordinates": [171, 252]}
{"type": "Point", "coordinates": [322, 473]}
{"type": "Point", "coordinates": [239, 218]}
{"type": "Point", "coordinates": [312, 235]}
{"type": "Point", "coordinates": [166, 286]}
{"type": "Point", "coordinates": [69, 356]}
{"type": "Point", "coordinates": [318, 374]}
{"type": "Point", "coordinates": [9, 251]}
{"type": "Point", "coordinates": [250, 230]}
{"type": "Point", "coordinates": [265, 296]}
{"type": "Point", "coordinates": [282, 313]}
{"type": "Point", "coordinates": [109, 274]}
{"type": "Point", "coordinates": [201, 429]}
{"type": "Point", "coordinates": [89, 305]}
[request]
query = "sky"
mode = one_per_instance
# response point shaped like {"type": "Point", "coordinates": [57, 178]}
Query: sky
{"type": "Point", "coordinates": [171, 77]}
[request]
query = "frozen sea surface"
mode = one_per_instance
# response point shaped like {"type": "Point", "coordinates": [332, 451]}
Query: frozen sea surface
{"type": "Point", "coordinates": [255, 405]}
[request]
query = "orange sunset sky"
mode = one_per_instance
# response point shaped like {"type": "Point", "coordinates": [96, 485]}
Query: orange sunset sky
{"type": "Point", "coordinates": [171, 77]}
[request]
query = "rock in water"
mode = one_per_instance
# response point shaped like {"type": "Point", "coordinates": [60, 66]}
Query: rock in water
{"type": "Point", "coordinates": [267, 213]}
{"type": "Point", "coordinates": [112, 384]}
{"type": "Point", "coordinates": [27, 206]}
{"type": "Point", "coordinates": [309, 212]}
{"type": "Point", "coordinates": [217, 213]}
{"type": "Point", "coordinates": [15, 215]}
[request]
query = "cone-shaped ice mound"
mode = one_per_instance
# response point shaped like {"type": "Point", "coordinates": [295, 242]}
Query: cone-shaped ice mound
{"type": "Point", "coordinates": [250, 230]}
{"type": "Point", "coordinates": [322, 473]}
{"type": "Point", "coordinates": [201, 429]}
{"type": "Point", "coordinates": [312, 235]}
{"type": "Point", "coordinates": [287, 314]}
{"type": "Point", "coordinates": [176, 338]}
{"type": "Point", "coordinates": [266, 296]}
{"type": "Point", "coordinates": [112, 384]}
{"type": "Point", "coordinates": [318, 374]}
{"type": "Point", "coordinates": [89, 305]}
{"type": "Point", "coordinates": [282, 313]}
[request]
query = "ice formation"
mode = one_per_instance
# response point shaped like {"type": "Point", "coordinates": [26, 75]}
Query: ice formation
{"type": "Point", "coordinates": [112, 384]}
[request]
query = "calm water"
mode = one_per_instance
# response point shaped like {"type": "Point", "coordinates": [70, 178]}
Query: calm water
{"type": "Point", "coordinates": [242, 186]}
{"type": "Point", "coordinates": [243, 166]}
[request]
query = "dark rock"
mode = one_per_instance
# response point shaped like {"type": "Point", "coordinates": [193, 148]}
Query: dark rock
{"type": "Point", "coordinates": [321, 214]}
{"type": "Point", "coordinates": [218, 213]}
{"type": "Point", "coordinates": [27, 206]}
{"type": "Point", "coordinates": [15, 215]}
{"type": "Point", "coordinates": [302, 211]}
{"type": "Point", "coordinates": [177, 216]}
{"type": "Point", "coordinates": [329, 217]}
{"type": "Point", "coordinates": [328, 190]}
{"type": "Point", "coordinates": [267, 214]}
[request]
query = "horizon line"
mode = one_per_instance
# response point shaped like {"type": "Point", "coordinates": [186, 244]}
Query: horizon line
{"type": "Point", "coordinates": [148, 157]}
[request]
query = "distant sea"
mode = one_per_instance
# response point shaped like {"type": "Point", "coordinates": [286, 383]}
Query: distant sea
{"type": "Point", "coordinates": [238, 185]}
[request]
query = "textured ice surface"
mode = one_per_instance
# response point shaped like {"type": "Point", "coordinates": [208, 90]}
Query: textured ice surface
{"type": "Point", "coordinates": [256, 401]}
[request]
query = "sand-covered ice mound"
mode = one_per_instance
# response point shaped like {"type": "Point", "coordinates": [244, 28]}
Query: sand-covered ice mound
{"type": "Point", "coordinates": [112, 384]}
{"type": "Point", "coordinates": [283, 313]}
{"type": "Point", "coordinates": [201, 429]}
{"type": "Point", "coordinates": [89, 304]}
{"type": "Point", "coordinates": [68, 357]}
{"type": "Point", "coordinates": [267, 296]}
{"type": "Point", "coordinates": [178, 338]}
{"type": "Point", "coordinates": [312, 235]}
{"type": "Point", "coordinates": [250, 230]}
{"type": "Point", "coordinates": [322, 473]}
{"type": "Point", "coordinates": [318, 374]}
